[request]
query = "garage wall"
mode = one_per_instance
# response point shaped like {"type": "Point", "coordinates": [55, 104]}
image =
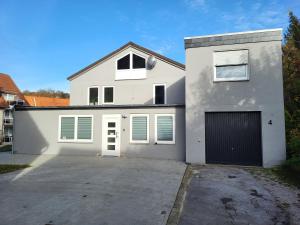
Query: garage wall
{"type": "Point", "coordinates": [36, 132]}
{"type": "Point", "coordinates": [263, 92]}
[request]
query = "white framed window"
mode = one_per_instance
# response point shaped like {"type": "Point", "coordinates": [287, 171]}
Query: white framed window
{"type": "Point", "coordinates": [9, 97]}
{"type": "Point", "coordinates": [108, 93]}
{"type": "Point", "coordinates": [165, 128]}
{"type": "Point", "coordinates": [159, 94]}
{"type": "Point", "coordinates": [75, 128]}
{"type": "Point", "coordinates": [93, 95]}
{"type": "Point", "coordinates": [139, 128]}
{"type": "Point", "coordinates": [131, 66]}
{"type": "Point", "coordinates": [231, 65]}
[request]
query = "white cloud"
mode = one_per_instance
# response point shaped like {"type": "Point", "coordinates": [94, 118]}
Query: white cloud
{"type": "Point", "coordinates": [258, 16]}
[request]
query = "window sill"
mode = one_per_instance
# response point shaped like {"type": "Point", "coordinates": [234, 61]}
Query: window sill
{"type": "Point", "coordinates": [139, 142]}
{"type": "Point", "coordinates": [165, 143]}
{"type": "Point", "coordinates": [75, 141]}
{"type": "Point", "coordinates": [230, 80]}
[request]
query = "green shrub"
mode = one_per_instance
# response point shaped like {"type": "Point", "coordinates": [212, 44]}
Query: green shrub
{"type": "Point", "coordinates": [294, 145]}
{"type": "Point", "coordinates": [292, 164]}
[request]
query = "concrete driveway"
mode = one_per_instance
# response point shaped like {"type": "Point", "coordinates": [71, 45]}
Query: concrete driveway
{"type": "Point", "coordinates": [232, 195]}
{"type": "Point", "coordinates": [88, 190]}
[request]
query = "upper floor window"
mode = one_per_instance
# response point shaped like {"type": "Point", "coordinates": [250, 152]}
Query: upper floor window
{"type": "Point", "coordinates": [124, 63]}
{"type": "Point", "coordinates": [108, 95]}
{"type": "Point", "coordinates": [131, 66]}
{"type": "Point", "coordinates": [93, 96]}
{"type": "Point", "coordinates": [159, 94]}
{"type": "Point", "coordinates": [231, 65]}
{"type": "Point", "coordinates": [138, 62]}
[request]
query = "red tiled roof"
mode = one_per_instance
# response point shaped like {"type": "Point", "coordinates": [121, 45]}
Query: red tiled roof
{"type": "Point", "coordinates": [33, 100]}
{"type": "Point", "coordinates": [7, 85]}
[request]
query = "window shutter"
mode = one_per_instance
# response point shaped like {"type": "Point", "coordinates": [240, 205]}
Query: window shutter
{"type": "Point", "coordinates": [67, 127]}
{"type": "Point", "coordinates": [237, 57]}
{"type": "Point", "coordinates": [165, 128]}
{"type": "Point", "coordinates": [84, 130]}
{"type": "Point", "coordinates": [139, 128]}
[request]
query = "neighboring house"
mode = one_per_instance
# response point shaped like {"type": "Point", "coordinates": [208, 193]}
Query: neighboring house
{"type": "Point", "coordinates": [40, 101]}
{"type": "Point", "coordinates": [225, 107]}
{"type": "Point", "coordinates": [10, 95]}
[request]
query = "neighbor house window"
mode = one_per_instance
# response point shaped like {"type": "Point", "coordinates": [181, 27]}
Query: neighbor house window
{"type": "Point", "coordinates": [108, 95]}
{"type": "Point", "coordinates": [165, 129]}
{"type": "Point", "coordinates": [231, 65]}
{"type": "Point", "coordinates": [9, 97]}
{"type": "Point", "coordinates": [75, 128]}
{"type": "Point", "coordinates": [93, 96]}
{"type": "Point", "coordinates": [131, 66]}
{"type": "Point", "coordinates": [159, 94]}
{"type": "Point", "coordinates": [139, 128]}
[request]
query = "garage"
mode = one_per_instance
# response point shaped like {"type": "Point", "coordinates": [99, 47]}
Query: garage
{"type": "Point", "coordinates": [233, 138]}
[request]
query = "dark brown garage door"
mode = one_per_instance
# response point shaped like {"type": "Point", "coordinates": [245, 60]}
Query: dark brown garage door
{"type": "Point", "coordinates": [233, 138]}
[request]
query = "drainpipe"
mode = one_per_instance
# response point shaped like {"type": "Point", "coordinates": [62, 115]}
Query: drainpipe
{"type": "Point", "coordinates": [13, 129]}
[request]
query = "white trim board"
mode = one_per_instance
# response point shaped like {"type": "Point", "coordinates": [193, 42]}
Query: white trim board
{"type": "Point", "coordinates": [234, 33]}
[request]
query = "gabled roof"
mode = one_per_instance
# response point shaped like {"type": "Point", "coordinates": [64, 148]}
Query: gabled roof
{"type": "Point", "coordinates": [39, 101]}
{"type": "Point", "coordinates": [7, 85]}
{"type": "Point", "coordinates": [133, 45]}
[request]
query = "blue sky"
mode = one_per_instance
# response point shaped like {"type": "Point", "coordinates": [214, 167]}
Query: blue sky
{"type": "Point", "coordinates": [44, 41]}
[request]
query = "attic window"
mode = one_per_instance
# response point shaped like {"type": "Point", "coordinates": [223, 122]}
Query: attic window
{"type": "Point", "coordinates": [131, 66]}
{"type": "Point", "coordinates": [124, 63]}
{"type": "Point", "coordinates": [138, 62]}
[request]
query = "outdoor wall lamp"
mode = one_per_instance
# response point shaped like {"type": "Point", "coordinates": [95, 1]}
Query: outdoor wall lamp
{"type": "Point", "coordinates": [270, 122]}
{"type": "Point", "coordinates": [124, 116]}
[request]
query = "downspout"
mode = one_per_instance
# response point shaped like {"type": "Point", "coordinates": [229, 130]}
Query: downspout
{"type": "Point", "coordinates": [13, 129]}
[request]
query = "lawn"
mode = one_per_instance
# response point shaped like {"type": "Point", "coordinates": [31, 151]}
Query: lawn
{"type": "Point", "coordinates": [283, 174]}
{"type": "Point", "coordinates": [10, 167]}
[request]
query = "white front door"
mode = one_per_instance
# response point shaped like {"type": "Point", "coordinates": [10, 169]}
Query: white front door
{"type": "Point", "coordinates": [111, 135]}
